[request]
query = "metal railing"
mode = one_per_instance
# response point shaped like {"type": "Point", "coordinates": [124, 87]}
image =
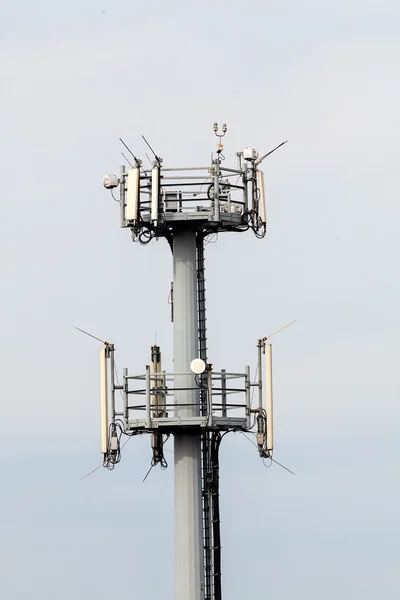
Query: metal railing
{"type": "Point", "coordinates": [191, 190]}
{"type": "Point", "coordinates": [227, 394]}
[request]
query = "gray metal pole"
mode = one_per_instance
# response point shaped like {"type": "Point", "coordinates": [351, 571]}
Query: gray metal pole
{"type": "Point", "coordinates": [260, 380]}
{"type": "Point", "coordinates": [223, 392]}
{"type": "Point", "coordinates": [125, 393]}
{"type": "Point", "coordinates": [216, 190]}
{"type": "Point", "coordinates": [112, 369]}
{"type": "Point", "coordinates": [122, 196]}
{"type": "Point", "coordinates": [189, 559]}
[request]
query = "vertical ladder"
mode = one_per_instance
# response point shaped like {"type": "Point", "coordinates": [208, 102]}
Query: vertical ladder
{"type": "Point", "coordinates": [201, 298]}
{"type": "Point", "coordinates": [210, 467]}
{"type": "Point", "coordinates": [205, 443]}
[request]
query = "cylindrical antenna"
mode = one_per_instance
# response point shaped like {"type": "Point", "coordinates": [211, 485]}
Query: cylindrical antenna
{"type": "Point", "coordinates": [261, 191]}
{"type": "Point", "coordinates": [155, 192]}
{"type": "Point", "coordinates": [104, 400]}
{"type": "Point", "coordinates": [269, 398]}
{"type": "Point", "coordinates": [156, 379]}
{"type": "Point", "coordinates": [122, 196]}
{"type": "Point", "coordinates": [132, 197]}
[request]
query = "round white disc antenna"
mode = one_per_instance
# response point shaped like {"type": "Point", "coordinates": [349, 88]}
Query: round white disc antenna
{"type": "Point", "coordinates": [110, 181]}
{"type": "Point", "coordinates": [197, 366]}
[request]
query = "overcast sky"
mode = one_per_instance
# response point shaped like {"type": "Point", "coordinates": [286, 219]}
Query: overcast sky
{"type": "Point", "coordinates": [324, 75]}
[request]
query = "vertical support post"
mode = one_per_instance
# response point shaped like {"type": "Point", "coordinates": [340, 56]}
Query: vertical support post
{"type": "Point", "coordinates": [163, 406]}
{"type": "Point", "coordinates": [260, 381]}
{"type": "Point", "coordinates": [153, 368]}
{"type": "Point", "coordinates": [104, 401]}
{"type": "Point", "coordinates": [189, 559]}
{"type": "Point", "coordinates": [171, 296]}
{"type": "Point", "coordinates": [209, 395]}
{"type": "Point", "coordinates": [254, 200]}
{"type": "Point", "coordinates": [122, 196]}
{"type": "Point", "coordinates": [245, 192]}
{"type": "Point", "coordinates": [248, 397]}
{"type": "Point", "coordinates": [126, 411]}
{"type": "Point", "coordinates": [148, 402]}
{"type": "Point", "coordinates": [223, 391]}
{"type": "Point", "coordinates": [216, 189]}
{"type": "Point", "coordinates": [268, 381]}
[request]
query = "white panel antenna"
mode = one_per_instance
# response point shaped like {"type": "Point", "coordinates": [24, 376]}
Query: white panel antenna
{"type": "Point", "coordinates": [261, 189]}
{"type": "Point", "coordinates": [155, 192]}
{"type": "Point", "coordinates": [269, 398]}
{"type": "Point", "coordinates": [132, 197]}
{"type": "Point", "coordinates": [104, 400]}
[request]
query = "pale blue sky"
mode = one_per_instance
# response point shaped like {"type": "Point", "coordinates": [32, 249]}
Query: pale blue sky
{"type": "Point", "coordinates": [76, 76]}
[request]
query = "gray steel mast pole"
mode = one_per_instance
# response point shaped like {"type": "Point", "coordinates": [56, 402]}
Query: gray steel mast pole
{"type": "Point", "coordinates": [189, 556]}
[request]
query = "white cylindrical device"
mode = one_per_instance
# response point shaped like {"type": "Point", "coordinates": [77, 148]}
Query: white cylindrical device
{"type": "Point", "coordinates": [104, 400]}
{"type": "Point", "coordinates": [110, 181]}
{"type": "Point", "coordinates": [159, 384]}
{"type": "Point", "coordinates": [153, 383]}
{"type": "Point", "coordinates": [261, 189]}
{"type": "Point", "coordinates": [132, 196]}
{"type": "Point", "coordinates": [269, 397]}
{"type": "Point", "coordinates": [155, 192]}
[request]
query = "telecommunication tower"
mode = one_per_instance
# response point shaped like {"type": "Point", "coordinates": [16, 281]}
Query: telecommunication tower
{"type": "Point", "coordinates": [195, 404]}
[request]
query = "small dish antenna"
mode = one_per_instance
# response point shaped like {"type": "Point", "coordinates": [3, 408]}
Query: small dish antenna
{"type": "Point", "coordinates": [197, 366]}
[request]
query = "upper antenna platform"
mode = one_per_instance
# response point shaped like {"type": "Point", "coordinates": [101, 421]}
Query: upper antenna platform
{"type": "Point", "coordinates": [158, 201]}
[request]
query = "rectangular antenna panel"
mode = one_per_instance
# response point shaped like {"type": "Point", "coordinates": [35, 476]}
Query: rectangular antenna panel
{"type": "Point", "coordinates": [104, 400]}
{"type": "Point", "coordinates": [269, 398]}
{"type": "Point", "coordinates": [261, 189]}
{"type": "Point", "coordinates": [132, 197]}
{"type": "Point", "coordinates": [155, 192]}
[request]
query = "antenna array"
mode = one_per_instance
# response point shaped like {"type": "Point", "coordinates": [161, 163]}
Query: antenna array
{"type": "Point", "coordinates": [196, 403]}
